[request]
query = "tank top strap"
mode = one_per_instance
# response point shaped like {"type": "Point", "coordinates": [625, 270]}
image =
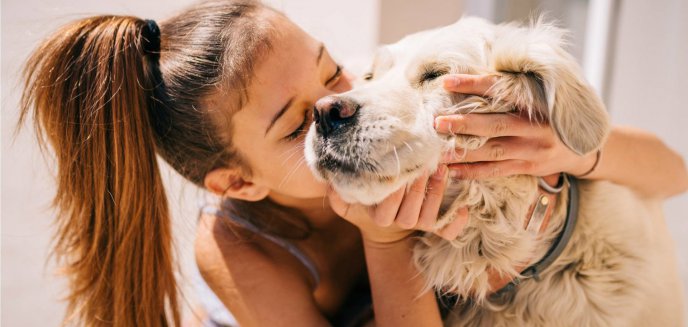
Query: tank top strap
{"type": "Point", "coordinates": [217, 210]}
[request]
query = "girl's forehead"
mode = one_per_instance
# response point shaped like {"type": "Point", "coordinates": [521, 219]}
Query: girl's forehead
{"type": "Point", "coordinates": [291, 61]}
{"type": "Point", "coordinates": [284, 73]}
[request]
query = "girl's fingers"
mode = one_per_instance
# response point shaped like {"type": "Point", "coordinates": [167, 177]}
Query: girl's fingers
{"type": "Point", "coordinates": [490, 169]}
{"type": "Point", "coordinates": [433, 199]}
{"type": "Point", "coordinates": [386, 211]}
{"type": "Point", "coordinates": [489, 125]}
{"type": "Point", "coordinates": [407, 217]}
{"type": "Point", "coordinates": [452, 230]}
{"type": "Point", "coordinates": [497, 149]}
{"type": "Point", "coordinates": [470, 84]}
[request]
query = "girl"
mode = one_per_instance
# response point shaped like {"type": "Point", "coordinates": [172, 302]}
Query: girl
{"type": "Point", "coordinates": [222, 92]}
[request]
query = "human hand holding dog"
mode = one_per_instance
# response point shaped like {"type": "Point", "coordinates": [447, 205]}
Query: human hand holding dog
{"type": "Point", "coordinates": [516, 144]}
{"type": "Point", "coordinates": [411, 208]}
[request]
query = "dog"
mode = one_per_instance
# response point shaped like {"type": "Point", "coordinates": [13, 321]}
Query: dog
{"type": "Point", "coordinates": [614, 263]}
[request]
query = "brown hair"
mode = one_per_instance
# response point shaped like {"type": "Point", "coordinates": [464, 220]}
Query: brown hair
{"type": "Point", "coordinates": [106, 106]}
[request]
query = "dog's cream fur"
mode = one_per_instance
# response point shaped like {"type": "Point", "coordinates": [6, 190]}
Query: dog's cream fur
{"type": "Point", "coordinates": [618, 268]}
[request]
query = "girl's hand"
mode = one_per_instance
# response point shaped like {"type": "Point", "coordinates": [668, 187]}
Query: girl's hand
{"type": "Point", "coordinates": [516, 145]}
{"type": "Point", "coordinates": [406, 210]}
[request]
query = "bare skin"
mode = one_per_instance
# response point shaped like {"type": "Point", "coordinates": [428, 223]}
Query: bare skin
{"type": "Point", "coordinates": [264, 285]}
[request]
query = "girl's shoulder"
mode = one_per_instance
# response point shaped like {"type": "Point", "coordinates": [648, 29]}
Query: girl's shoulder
{"type": "Point", "coordinates": [248, 273]}
{"type": "Point", "coordinates": [227, 252]}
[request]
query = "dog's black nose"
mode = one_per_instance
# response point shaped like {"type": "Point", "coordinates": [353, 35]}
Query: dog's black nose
{"type": "Point", "coordinates": [331, 112]}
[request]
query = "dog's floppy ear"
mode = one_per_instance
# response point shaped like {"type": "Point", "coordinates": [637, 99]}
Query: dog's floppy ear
{"type": "Point", "coordinates": [538, 74]}
{"type": "Point", "coordinates": [577, 115]}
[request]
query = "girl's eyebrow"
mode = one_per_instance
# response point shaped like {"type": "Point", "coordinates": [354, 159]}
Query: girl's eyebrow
{"type": "Point", "coordinates": [321, 50]}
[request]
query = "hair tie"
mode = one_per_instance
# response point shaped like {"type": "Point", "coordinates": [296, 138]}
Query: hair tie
{"type": "Point", "coordinates": [597, 161]}
{"type": "Point", "coordinates": [151, 38]}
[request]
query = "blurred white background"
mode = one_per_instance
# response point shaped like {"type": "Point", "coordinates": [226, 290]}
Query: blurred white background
{"type": "Point", "coordinates": [636, 53]}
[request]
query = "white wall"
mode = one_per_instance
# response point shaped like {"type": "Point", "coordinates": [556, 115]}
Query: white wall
{"type": "Point", "coordinates": [348, 28]}
{"type": "Point", "coordinates": [399, 18]}
{"type": "Point", "coordinates": [648, 88]}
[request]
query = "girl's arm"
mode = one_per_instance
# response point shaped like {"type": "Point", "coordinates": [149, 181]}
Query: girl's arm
{"type": "Point", "coordinates": [398, 288]}
{"type": "Point", "coordinates": [640, 160]}
{"type": "Point", "coordinates": [630, 157]}
{"type": "Point", "coordinates": [399, 297]}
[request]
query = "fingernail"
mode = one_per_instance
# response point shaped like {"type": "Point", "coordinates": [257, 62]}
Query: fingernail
{"type": "Point", "coordinates": [451, 82]}
{"type": "Point", "coordinates": [455, 173]}
{"type": "Point", "coordinates": [440, 172]}
{"type": "Point", "coordinates": [442, 125]}
{"type": "Point", "coordinates": [437, 123]}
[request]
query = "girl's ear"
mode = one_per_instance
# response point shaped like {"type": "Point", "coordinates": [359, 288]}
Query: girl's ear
{"type": "Point", "coordinates": [230, 182]}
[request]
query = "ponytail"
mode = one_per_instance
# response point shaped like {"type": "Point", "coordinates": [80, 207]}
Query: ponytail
{"type": "Point", "coordinates": [90, 89]}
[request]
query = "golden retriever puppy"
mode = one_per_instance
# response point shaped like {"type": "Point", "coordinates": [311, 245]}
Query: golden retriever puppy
{"type": "Point", "coordinates": [597, 254]}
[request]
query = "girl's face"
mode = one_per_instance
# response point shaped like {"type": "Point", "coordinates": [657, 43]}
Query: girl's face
{"type": "Point", "coordinates": [269, 130]}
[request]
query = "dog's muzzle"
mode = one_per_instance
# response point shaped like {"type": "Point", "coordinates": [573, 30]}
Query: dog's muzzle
{"type": "Point", "coordinates": [333, 113]}
{"type": "Point", "coordinates": [335, 118]}
{"type": "Point", "coordinates": [367, 152]}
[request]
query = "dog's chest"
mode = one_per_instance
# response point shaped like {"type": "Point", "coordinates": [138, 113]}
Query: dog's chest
{"type": "Point", "coordinates": [498, 198]}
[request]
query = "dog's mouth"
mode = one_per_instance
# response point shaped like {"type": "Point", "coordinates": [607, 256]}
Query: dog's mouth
{"type": "Point", "coordinates": [365, 165]}
{"type": "Point", "coordinates": [331, 165]}
{"type": "Point", "coordinates": [363, 161]}
{"type": "Point", "coordinates": [363, 179]}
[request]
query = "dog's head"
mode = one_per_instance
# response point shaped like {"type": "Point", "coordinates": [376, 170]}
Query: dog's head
{"type": "Point", "coordinates": [372, 140]}
{"type": "Point", "coordinates": [377, 137]}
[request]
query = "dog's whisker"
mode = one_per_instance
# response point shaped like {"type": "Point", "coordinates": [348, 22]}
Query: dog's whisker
{"type": "Point", "coordinates": [296, 150]}
{"type": "Point", "coordinates": [409, 146]}
{"type": "Point", "coordinates": [396, 155]}
{"type": "Point", "coordinates": [290, 152]}
{"type": "Point", "coordinates": [291, 172]}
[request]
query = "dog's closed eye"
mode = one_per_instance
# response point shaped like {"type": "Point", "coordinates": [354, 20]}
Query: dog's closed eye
{"type": "Point", "coordinates": [431, 72]}
{"type": "Point", "coordinates": [431, 75]}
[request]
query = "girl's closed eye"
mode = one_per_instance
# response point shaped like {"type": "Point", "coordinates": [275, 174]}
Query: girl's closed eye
{"type": "Point", "coordinates": [303, 127]}
{"type": "Point", "coordinates": [336, 77]}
